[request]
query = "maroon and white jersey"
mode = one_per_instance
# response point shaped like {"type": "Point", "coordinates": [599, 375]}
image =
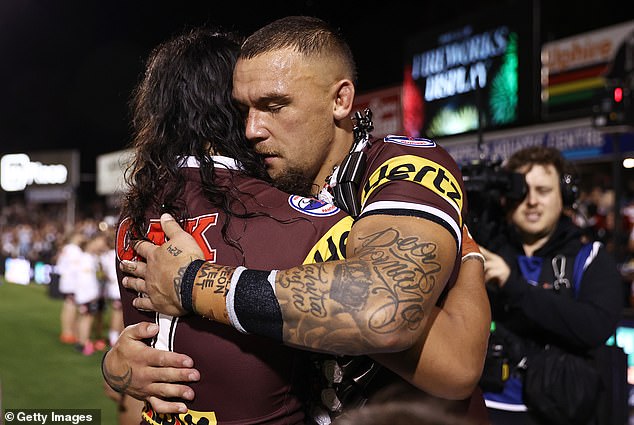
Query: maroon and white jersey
{"type": "Point", "coordinates": [245, 379]}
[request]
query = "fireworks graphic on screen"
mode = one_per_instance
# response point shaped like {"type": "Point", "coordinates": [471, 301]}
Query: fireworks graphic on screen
{"type": "Point", "coordinates": [503, 95]}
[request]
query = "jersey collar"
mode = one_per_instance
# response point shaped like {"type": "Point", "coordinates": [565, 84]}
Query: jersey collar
{"type": "Point", "coordinates": [219, 162]}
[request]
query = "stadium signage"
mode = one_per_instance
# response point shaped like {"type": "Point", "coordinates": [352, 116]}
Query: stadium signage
{"type": "Point", "coordinates": [17, 171]}
{"type": "Point", "coordinates": [459, 66]}
{"type": "Point", "coordinates": [465, 75]}
{"type": "Point", "coordinates": [575, 69]}
{"type": "Point", "coordinates": [576, 139]}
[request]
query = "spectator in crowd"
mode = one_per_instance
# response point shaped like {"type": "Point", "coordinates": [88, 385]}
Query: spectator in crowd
{"type": "Point", "coordinates": [112, 295]}
{"type": "Point", "coordinates": [534, 297]}
{"type": "Point", "coordinates": [33, 232]}
{"type": "Point", "coordinates": [69, 262]}
{"type": "Point", "coordinates": [88, 291]}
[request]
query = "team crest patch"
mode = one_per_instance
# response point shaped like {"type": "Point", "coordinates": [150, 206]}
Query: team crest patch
{"type": "Point", "coordinates": [410, 141]}
{"type": "Point", "coordinates": [312, 206]}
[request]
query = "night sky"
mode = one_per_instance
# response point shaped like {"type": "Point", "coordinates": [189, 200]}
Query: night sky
{"type": "Point", "coordinates": [67, 67]}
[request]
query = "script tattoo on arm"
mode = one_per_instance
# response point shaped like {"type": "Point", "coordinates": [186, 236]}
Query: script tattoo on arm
{"type": "Point", "coordinates": [383, 288]}
{"type": "Point", "coordinates": [209, 294]}
{"type": "Point", "coordinates": [214, 277]}
{"type": "Point", "coordinates": [406, 270]}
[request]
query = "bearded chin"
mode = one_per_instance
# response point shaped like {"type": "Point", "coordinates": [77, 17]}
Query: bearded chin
{"type": "Point", "coordinates": [293, 181]}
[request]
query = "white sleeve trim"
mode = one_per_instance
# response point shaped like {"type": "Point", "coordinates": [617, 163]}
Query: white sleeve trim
{"type": "Point", "coordinates": [399, 205]}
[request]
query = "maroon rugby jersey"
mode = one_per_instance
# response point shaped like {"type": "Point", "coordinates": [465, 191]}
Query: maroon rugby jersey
{"type": "Point", "coordinates": [245, 379]}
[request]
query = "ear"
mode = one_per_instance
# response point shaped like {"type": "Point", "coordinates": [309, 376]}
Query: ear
{"type": "Point", "coordinates": [344, 97]}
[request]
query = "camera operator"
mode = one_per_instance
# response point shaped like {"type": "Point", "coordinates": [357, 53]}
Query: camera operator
{"type": "Point", "coordinates": [531, 286]}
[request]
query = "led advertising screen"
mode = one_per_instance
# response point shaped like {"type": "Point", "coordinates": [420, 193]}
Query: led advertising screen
{"type": "Point", "coordinates": [480, 64]}
{"type": "Point", "coordinates": [50, 169]}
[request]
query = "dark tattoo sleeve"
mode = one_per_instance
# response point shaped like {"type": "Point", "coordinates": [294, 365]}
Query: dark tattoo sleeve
{"type": "Point", "coordinates": [384, 288]}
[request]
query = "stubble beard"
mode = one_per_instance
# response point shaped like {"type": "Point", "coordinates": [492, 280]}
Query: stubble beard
{"type": "Point", "coordinates": [295, 182]}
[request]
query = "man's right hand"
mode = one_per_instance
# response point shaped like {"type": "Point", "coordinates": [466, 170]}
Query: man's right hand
{"type": "Point", "coordinates": [160, 279]}
{"type": "Point", "coordinates": [149, 374]}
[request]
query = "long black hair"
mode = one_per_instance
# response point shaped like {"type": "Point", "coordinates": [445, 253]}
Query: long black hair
{"type": "Point", "coordinates": [183, 107]}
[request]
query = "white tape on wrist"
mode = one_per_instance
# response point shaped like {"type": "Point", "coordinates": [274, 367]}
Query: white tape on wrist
{"type": "Point", "coordinates": [231, 311]}
{"type": "Point", "coordinates": [475, 256]}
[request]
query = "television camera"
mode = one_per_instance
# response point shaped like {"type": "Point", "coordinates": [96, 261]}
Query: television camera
{"type": "Point", "coordinates": [490, 191]}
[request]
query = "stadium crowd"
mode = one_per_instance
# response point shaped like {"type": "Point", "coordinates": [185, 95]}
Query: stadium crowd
{"type": "Point", "coordinates": [80, 261]}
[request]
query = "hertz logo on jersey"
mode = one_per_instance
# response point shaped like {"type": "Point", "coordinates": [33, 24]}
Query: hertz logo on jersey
{"type": "Point", "coordinates": [332, 245]}
{"type": "Point", "coordinates": [419, 170]}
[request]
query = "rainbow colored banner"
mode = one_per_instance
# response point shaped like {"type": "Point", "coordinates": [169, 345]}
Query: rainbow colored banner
{"type": "Point", "coordinates": [575, 69]}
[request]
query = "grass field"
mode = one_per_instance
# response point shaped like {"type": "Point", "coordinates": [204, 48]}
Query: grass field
{"type": "Point", "coordinates": [36, 370]}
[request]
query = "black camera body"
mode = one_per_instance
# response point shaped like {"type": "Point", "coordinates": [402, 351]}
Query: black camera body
{"type": "Point", "coordinates": [491, 190]}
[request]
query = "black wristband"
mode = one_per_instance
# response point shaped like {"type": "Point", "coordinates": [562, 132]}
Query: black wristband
{"type": "Point", "coordinates": [187, 284]}
{"type": "Point", "coordinates": [256, 306]}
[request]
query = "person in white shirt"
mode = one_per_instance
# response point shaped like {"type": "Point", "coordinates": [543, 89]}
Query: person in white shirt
{"type": "Point", "coordinates": [88, 291]}
{"type": "Point", "coordinates": [68, 261]}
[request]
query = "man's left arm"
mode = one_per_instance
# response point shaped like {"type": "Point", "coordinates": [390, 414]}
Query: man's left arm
{"type": "Point", "coordinates": [377, 300]}
{"type": "Point", "coordinates": [465, 309]}
{"type": "Point", "coordinates": [447, 361]}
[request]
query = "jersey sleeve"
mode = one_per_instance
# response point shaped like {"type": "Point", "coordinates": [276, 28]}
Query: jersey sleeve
{"type": "Point", "coordinates": [414, 177]}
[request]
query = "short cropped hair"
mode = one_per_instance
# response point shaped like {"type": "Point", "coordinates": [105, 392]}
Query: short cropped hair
{"type": "Point", "coordinates": [306, 35]}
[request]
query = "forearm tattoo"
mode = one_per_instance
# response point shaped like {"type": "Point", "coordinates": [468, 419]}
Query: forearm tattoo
{"type": "Point", "coordinates": [401, 272]}
{"type": "Point", "coordinates": [214, 277]}
{"type": "Point", "coordinates": [211, 286]}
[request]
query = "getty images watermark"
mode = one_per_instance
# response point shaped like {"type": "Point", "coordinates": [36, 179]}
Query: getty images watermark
{"type": "Point", "coordinates": [52, 416]}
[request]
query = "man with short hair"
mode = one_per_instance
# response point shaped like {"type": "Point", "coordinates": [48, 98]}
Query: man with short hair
{"type": "Point", "coordinates": [531, 271]}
